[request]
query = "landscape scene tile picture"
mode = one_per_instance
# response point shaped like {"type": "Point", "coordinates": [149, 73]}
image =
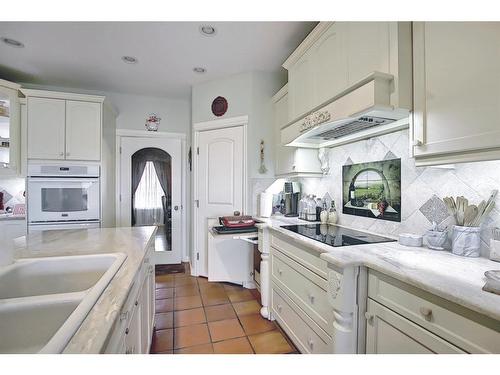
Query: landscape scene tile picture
{"type": "Point", "coordinates": [372, 189]}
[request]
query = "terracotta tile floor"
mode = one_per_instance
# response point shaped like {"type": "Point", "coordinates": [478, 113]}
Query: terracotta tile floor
{"type": "Point", "coordinates": [194, 316]}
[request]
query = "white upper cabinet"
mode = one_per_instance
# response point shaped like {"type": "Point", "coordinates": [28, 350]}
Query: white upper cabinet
{"type": "Point", "coordinates": [301, 86]}
{"type": "Point", "coordinates": [291, 161]}
{"type": "Point", "coordinates": [83, 130]}
{"type": "Point", "coordinates": [46, 128]}
{"type": "Point", "coordinates": [335, 56]}
{"type": "Point", "coordinates": [330, 63]}
{"type": "Point", "coordinates": [456, 92]}
{"type": "Point", "coordinates": [63, 126]}
{"type": "Point", "coordinates": [367, 49]}
{"type": "Point", "coordinates": [10, 128]}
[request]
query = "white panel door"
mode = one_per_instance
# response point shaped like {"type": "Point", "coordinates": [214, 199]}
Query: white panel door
{"type": "Point", "coordinates": [83, 130]}
{"type": "Point", "coordinates": [220, 182]}
{"type": "Point", "coordinates": [130, 145]}
{"type": "Point", "coordinates": [46, 128]}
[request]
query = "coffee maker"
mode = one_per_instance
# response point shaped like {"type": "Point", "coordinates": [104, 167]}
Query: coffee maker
{"type": "Point", "coordinates": [291, 191]}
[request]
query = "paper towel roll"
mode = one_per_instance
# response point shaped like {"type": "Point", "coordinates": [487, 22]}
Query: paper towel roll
{"type": "Point", "coordinates": [265, 204]}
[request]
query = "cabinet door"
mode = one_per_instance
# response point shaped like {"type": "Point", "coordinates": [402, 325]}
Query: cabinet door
{"type": "Point", "coordinates": [145, 322]}
{"type": "Point", "coordinates": [456, 89]}
{"type": "Point", "coordinates": [46, 130]}
{"type": "Point", "coordinates": [10, 131]}
{"type": "Point", "coordinates": [83, 130]}
{"type": "Point", "coordinates": [367, 45]}
{"type": "Point", "coordinates": [389, 333]}
{"type": "Point", "coordinates": [284, 155]}
{"type": "Point", "coordinates": [300, 85]}
{"type": "Point", "coordinates": [330, 63]}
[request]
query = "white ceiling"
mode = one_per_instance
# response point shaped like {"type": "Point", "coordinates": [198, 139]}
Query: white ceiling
{"type": "Point", "coordinates": [88, 55]}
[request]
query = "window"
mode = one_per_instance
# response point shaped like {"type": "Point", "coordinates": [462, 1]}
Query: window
{"type": "Point", "coordinates": [149, 192]}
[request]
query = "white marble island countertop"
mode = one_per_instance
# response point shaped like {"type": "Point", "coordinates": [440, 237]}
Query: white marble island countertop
{"type": "Point", "coordinates": [94, 332]}
{"type": "Point", "coordinates": [452, 277]}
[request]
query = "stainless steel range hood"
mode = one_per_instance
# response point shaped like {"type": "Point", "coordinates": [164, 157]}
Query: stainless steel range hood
{"type": "Point", "coordinates": [361, 111]}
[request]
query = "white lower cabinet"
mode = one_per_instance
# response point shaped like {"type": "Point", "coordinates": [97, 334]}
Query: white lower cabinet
{"type": "Point", "coordinates": [133, 329]}
{"type": "Point", "coordinates": [299, 297]}
{"type": "Point", "coordinates": [404, 319]}
{"type": "Point", "coordinates": [391, 333]}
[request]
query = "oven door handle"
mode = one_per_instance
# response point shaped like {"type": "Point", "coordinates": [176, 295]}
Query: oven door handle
{"type": "Point", "coordinates": [63, 179]}
{"type": "Point", "coordinates": [249, 240]}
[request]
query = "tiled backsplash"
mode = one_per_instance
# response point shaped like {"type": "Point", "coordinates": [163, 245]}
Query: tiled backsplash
{"type": "Point", "coordinates": [13, 189]}
{"type": "Point", "coordinates": [421, 186]}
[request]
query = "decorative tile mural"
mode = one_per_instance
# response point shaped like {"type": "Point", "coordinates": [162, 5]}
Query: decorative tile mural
{"type": "Point", "coordinates": [372, 189]}
{"type": "Point", "coordinates": [421, 187]}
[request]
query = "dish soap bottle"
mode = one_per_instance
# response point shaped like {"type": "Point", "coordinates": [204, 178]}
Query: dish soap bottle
{"type": "Point", "coordinates": [323, 216]}
{"type": "Point", "coordinates": [333, 217]}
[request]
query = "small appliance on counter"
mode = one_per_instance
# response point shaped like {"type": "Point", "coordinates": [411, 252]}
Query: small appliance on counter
{"type": "Point", "coordinates": [291, 192]}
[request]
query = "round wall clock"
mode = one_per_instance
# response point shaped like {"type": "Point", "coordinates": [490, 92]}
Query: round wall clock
{"type": "Point", "coordinates": [219, 106]}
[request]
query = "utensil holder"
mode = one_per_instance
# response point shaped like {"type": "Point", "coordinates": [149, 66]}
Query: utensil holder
{"type": "Point", "coordinates": [435, 240]}
{"type": "Point", "coordinates": [466, 241]}
{"type": "Point", "coordinates": [495, 250]}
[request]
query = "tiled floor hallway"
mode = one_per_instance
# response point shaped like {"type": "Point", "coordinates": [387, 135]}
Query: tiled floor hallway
{"type": "Point", "coordinates": [194, 316]}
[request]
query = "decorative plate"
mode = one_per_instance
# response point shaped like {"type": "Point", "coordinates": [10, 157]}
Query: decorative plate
{"type": "Point", "coordinates": [219, 106]}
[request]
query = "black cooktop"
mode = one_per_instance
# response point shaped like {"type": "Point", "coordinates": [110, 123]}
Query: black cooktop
{"type": "Point", "coordinates": [336, 236]}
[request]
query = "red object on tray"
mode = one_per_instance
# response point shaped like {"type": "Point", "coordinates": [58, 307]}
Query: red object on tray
{"type": "Point", "coordinates": [237, 221]}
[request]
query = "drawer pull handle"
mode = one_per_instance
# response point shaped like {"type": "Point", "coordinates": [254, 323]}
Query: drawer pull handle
{"type": "Point", "coordinates": [280, 271]}
{"type": "Point", "coordinates": [369, 317]}
{"type": "Point", "coordinates": [427, 313]}
{"type": "Point", "coordinates": [279, 308]}
{"type": "Point", "coordinates": [311, 298]}
{"type": "Point", "coordinates": [310, 342]}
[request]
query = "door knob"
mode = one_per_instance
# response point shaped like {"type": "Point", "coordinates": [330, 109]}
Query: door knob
{"type": "Point", "coordinates": [176, 208]}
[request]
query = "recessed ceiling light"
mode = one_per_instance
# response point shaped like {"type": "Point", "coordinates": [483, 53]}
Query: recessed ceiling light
{"type": "Point", "coordinates": [129, 59]}
{"type": "Point", "coordinates": [208, 30]}
{"type": "Point", "coordinates": [12, 42]}
{"type": "Point", "coordinates": [199, 69]}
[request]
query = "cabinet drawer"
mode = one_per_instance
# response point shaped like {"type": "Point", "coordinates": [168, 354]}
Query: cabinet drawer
{"type": "Point", "coordinates": [470, 331]}
{"type": "Point", "coordinates": [391, 333]}
{"type": "Point", "coordinates": [307, 257]}
{"type": "Point", "coordinates": [305, 288]}
{"type": "Point", "coordinates": [303, 336]}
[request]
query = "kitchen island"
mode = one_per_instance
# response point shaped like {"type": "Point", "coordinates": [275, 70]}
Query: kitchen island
{"type": "Point", "coordinates": [96, 330]}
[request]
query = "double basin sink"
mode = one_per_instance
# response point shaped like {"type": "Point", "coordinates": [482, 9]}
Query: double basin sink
{"type": "Point", "coordinates": [43, 301]}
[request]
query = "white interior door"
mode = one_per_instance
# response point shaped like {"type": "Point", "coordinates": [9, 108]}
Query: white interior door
{"type": "Point", "coordinates": [219, 180]}
{"type": "Point", "coordinates": [130, 145]}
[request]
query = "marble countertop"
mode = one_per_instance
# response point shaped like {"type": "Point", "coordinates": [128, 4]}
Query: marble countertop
{"type": "Point", "coordinates": [452, 277]}
{"type": "Point", "coordinates": [94, 332]}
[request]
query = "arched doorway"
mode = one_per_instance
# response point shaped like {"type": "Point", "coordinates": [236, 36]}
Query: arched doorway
{"type": "Point", "coordinates": [151, 199]}
{"type": "Point", "coordinates": [151, 187]}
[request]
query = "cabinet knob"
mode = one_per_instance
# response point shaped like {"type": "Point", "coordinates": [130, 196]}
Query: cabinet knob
{"type": "Point", "coordinates": [136, 303]}
{"type": "Point", "coordinates": [427, 313]}
{"type": "Point", "coordinates": [418, 143]}
{"type": "Point", "coordinates": [280, 271]}
{"type": "Point", "coordinates": [126, 331]}
{"type": "Point", "coordinates": [279, 308]}
{"type": "Point", "coordinates": [369, 317]}
{"type": "Point", "coordinates": [311, 298]}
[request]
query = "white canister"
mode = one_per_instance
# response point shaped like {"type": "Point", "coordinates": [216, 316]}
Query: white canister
{"type": "Point", "coordinates": [265, 204]}
{"type": "Point", "coordinates": [466, 241]}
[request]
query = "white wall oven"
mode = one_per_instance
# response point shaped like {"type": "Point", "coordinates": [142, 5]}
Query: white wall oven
{"type": "Point", "coordinates": [61, 195]}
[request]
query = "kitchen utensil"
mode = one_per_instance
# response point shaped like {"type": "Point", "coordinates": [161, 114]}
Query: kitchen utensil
{"type": "Point", "coordinates": [470, 215]}
{"type": "Point", "coordinates": [410, 239]}
{"type": "Point", "coordinates": [466, 241]}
